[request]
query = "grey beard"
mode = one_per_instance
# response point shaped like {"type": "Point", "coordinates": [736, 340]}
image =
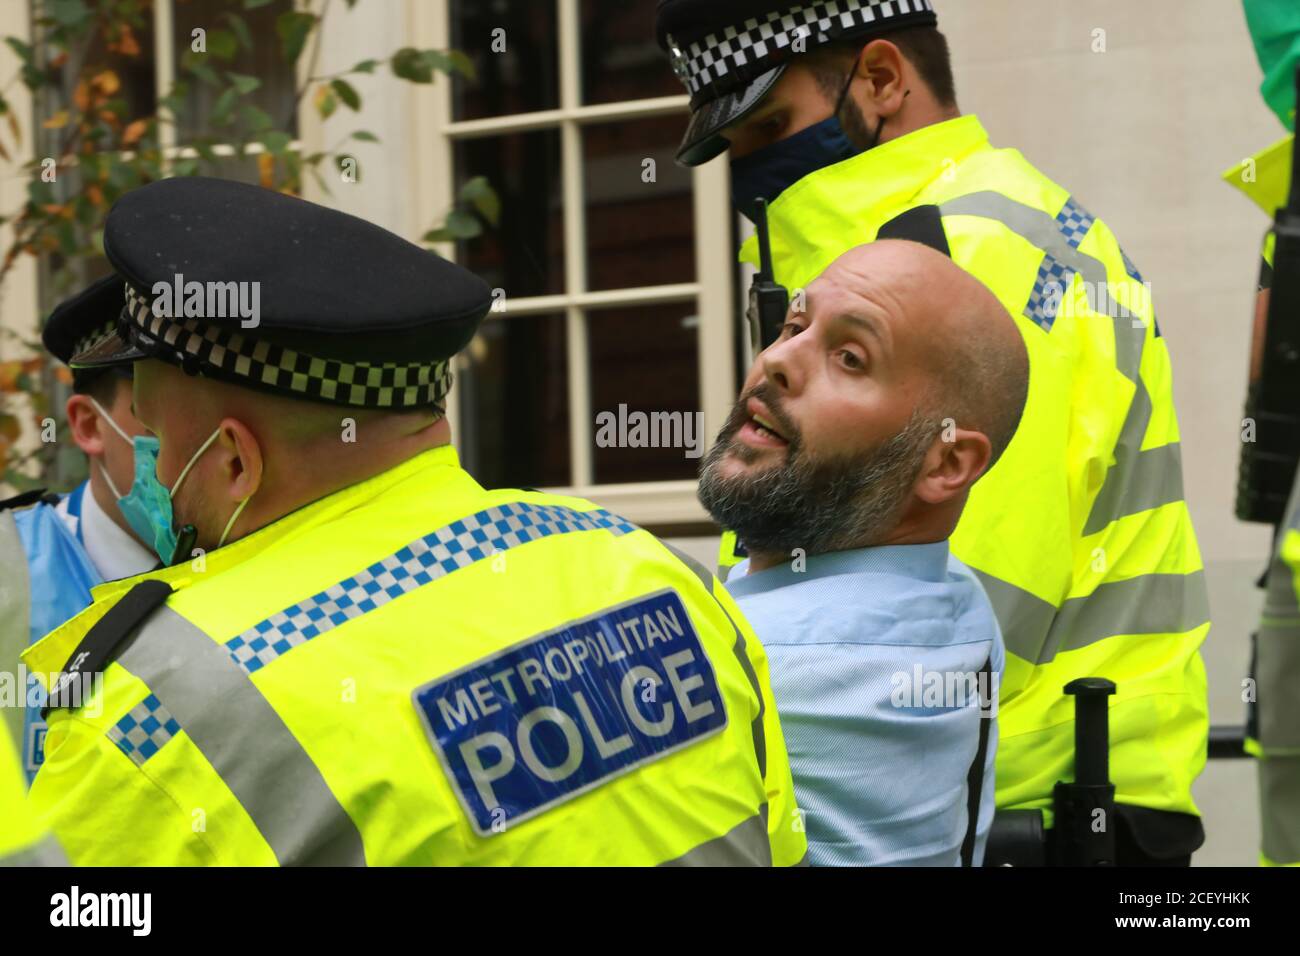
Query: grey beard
{"type": "Point", "coordinates": [820, 506]}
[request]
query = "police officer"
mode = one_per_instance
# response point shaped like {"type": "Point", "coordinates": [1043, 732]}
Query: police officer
{"type": "Point", "coordinates": [356, 654]}
{"type": "Point", "coordinates": [844, 117]}
{"type": "Point", "coordinates": [22, 840]}
{"type": "Point", "coordinates": [63, 545]}
{"type": "Point", "coordinates": [1273, 725]}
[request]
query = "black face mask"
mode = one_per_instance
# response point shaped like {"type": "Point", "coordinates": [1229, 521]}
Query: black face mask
{"type": "Point", "coordinates": [770, 171]}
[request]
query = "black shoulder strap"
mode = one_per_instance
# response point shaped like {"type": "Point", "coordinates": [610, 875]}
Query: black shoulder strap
{"type": "Point", "coordinates": [29, 498]}
{"type": "Point", "coordinates": [923, 224]}
{"type": "Point", "coordinates": [975, 778]}
{"type": "Point", "coordinates": [101, 642]}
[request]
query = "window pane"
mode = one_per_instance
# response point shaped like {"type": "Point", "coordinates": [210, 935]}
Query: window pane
{"type": "Point", "coordinates": [512, 44]}
{"type": "Point", "coordinates": [620, 58]}
{"type": "Point", "coordinates": [277, 95]}
{"type": "Point", "coordinates": [645, 358]}
{"type": "Point", "coordinates": [524, 255]}
{"type": "Point", "coordinates": [513, 396]}
{"type": "Point", "coordinates": [638, 232]}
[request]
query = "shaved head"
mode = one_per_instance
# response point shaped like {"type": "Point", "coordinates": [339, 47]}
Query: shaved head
{"type": "Point", "coordinates": [900, 383]}
{"type": "Point", "coordinates": [962, 336]}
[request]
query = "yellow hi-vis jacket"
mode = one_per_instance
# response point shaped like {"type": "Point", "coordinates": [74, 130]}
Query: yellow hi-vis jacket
{"type": "Point", "coordinates": [23, 842]}
{"type": "Point", "coordinates": [1080, 533]}
{"type": "Point", "coordinates": [418, 671]}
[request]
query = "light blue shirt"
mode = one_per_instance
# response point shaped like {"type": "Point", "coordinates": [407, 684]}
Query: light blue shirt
{"type": "Point", "coordinates": [875, 657]}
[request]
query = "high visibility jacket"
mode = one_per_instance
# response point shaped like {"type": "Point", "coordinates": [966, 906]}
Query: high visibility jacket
{"type": "Point", "coordinates": [48, 578]}
{"type": "Point", "coordinates": [417, 671]}
{"type": "Point", "coordinates": [22, 841]}
{"type": "Point", "coordinates": [1079, 533]}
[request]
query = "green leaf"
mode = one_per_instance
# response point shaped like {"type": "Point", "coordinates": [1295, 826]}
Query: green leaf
{"type": "Point", "coordinates": [255, 118]}
{"type": "Point", "coordinates": [23, 50]}
{"type": "Point", "coordinates": [462, 64]}
{"type": "Point", "coordinates": [67, 13]}
{"type": "Point", "coordinates": [240, 29]}
{"type": "Point", "coordinates": [276, 141]}
{"type": "Point", "coordinates": [326, 103]}
{"type": "Point", "coordinates": [293, 28]}
{"type": "Point", "coordinates": [480, 192]}
{"type": "Point", "coordinates": [408, 63]}
{"type": "Point", "coordinates": [186, 167]}
{"type": "Point", "coordinates": [254, 4]}
{"type": "Point", "coordinates": [347, 93]}
{"type": "Point", "coordinates": [365, 66]}
{"type": "Point", "coordinates": [463, 225]}
{"type": "Point", "coordinates": [365, 136]}
{"type": "Point", "coordinates": [451, 61]}
{"type": "Point", "coordinates": [195, 63]}
{"type": "Point", "coordinates": [225, 103]}
{"type": "Point", "coordinates": [243, 83]}
{"type": "Point", "coordinates": [222, 44]}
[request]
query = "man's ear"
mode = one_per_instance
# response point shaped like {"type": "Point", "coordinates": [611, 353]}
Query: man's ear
{"type": "Point", "coordinates": [956, 459]}
{"type": "Point", "coordinates": [85, 425]}
{"type": "Point", "coordinates": [882, 63]}
{"type": "Point", "coordinates": [241, 459]}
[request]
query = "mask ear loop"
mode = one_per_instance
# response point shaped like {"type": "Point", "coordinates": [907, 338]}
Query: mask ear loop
{"type": "Point", "coordinates": [125, 437]}
{"type": "Point", "coordinates": [109, 478]}
{"type": "Point", "coordinates": [202, 448]}
{"type": "Point", "coordinates": [231, 523]}
{"type": "Point", "coordinates": [109, 418]}
{"type": "Point", "coordinates": [844, 94]}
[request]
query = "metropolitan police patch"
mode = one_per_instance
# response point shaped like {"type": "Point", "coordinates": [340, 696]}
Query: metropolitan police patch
{"type": "Point", "coordinates": [561, 713]}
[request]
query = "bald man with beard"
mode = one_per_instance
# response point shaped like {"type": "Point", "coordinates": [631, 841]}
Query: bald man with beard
{"type": "Point", "coordinates": [844, 467]}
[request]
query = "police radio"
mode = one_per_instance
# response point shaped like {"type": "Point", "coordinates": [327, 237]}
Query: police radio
{"type": "Point", "coordinates": [768, 300]}
{"type": "Point", "coordinates": [1268, 464]}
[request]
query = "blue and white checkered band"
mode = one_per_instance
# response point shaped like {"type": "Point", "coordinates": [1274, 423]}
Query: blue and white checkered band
{"type": "Point", "coordinates": [359, 384]}
{"type": "Point", "coordinates": [730, 58]}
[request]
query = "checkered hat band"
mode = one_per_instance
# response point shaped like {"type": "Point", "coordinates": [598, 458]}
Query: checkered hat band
{"type": "Point", "coordinates": [736, 55]}
{"type": "Point", "coordinates": [359, 384]}
{"type": "Point", "coordinates": [83, 344]}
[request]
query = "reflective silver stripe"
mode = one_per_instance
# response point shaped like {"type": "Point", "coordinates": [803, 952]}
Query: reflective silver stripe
{"type": "Point", "coordinates": [46, 852]}
{"type": "Point", "coordinates": [739, 649]}
{"type": "Point", "coordinates": [1139, 480]}
{"type": "Point", "coordinates": [15, 621]}
{"type": "Point", "coordinates": [1279, 800]}
{"type": "Point", "coordinates": [246, 742]}
{"type": "Point", "coordinates": [745, 844]}
{"type": "Point", "coordinates": [1149, 604]}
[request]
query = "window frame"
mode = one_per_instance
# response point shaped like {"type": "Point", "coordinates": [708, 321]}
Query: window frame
{"type": "Point", "coordinates": [654, 503]}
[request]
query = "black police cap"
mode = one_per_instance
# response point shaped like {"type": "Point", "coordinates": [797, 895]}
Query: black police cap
{"type": "Point", "coordinates": [730, 53]}
{"type": "Point", "coordinates": [272, 292]}
{"type": "Point", "coordinates": [83, 319]}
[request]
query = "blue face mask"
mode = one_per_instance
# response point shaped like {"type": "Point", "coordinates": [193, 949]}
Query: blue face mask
{"type": "Point", "coordinates": [770, 171]}
{"type": "Point", "coordinates": [147, 507]}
